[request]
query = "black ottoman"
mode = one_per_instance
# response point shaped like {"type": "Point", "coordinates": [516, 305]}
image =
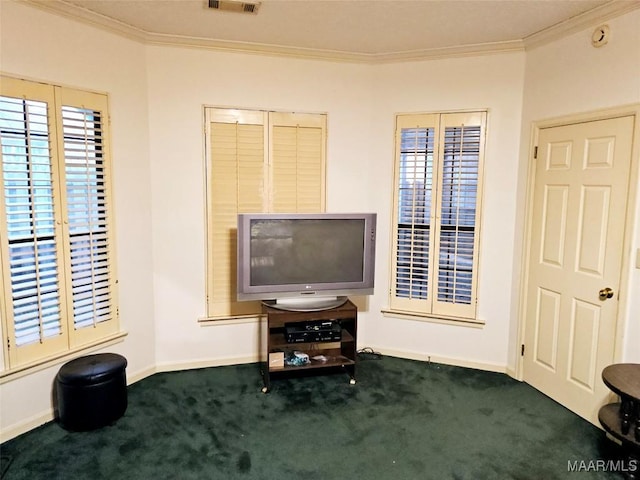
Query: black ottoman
{"type": "Point", "coordinates": [91, 391]}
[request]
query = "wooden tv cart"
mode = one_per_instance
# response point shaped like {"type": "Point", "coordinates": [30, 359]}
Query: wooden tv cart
{"type": "Point", "coordinates": [323, 355]}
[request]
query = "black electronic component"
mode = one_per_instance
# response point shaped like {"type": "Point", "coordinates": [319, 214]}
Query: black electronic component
{"type": "Point", "coordinates": [313, 331]}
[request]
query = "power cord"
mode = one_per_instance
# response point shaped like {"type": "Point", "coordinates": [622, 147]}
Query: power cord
{"type": "Point", "coordinates": [5, 462]}
{"type": "Point", "coordinates": [368, 352]}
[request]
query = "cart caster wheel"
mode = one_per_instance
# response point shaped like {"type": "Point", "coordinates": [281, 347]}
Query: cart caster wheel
{"type": "Point", "coordinates": [352, 381]}
{"type": "Point", "coordinates": [264, 390]}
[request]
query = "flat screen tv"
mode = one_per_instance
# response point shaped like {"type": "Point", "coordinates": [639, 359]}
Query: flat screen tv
{"type": "Point", "coordinates": [299, 261]}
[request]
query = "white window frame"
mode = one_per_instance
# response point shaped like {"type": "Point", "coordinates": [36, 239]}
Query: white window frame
{"type": "Point", "coordinates": [81, 226]}
{"type": "Point", "coordinates": [429, 267]}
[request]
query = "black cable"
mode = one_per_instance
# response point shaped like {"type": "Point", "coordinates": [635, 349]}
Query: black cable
{"type": "Point", "coordinates": [5, 462]}
{"type": "Point", "coordinates": [369, 352]}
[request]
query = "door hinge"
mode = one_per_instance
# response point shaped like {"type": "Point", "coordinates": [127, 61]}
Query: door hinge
{"type": "Point", "coordinates": [522, 350]}
{"type": "Point", "coordinates": [8, 343]}
{"type": "Point", "coordinates": [535, 152]}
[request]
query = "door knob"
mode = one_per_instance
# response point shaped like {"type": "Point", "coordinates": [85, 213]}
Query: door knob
{"type": "Point", "coordinates": [605, 293]}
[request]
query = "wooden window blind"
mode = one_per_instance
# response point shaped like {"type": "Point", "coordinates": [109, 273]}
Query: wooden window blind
{"type": "Point", "coordinates": [89, 232]}
{"type": "Point", "coordinates": [436, 216]}
{"type": "Point", "coordinates": [297, 162]}
{"type": "Point", "coordinates": [257, 161]}
{"type": "Point", "coordinates": [58, 273]}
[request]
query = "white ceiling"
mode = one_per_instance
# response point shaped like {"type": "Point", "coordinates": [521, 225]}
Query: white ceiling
{"type": "Point", "coordinates": [357, 30]}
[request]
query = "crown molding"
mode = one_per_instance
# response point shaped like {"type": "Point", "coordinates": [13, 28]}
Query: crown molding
{"type": "Point", "coordinates": [450, 52]}
{"type": "Point", "coordinates": [333, 55]}
{"type": "Point", "coordinates": [588, 19]}
{"type": "Point", "coordinates": [158, 39]}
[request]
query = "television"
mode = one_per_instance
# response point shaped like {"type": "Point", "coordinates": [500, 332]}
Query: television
{"type": "Point", "coordinates": [305, 261]}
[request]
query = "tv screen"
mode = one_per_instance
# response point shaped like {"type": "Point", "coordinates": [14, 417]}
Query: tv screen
{"type": "Point", "coordinates": [310, 257]}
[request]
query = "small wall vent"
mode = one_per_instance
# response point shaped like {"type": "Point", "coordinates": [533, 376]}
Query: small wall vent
{"type": "Point", "coordinates": [234, 6]}
{"type": "Point", "coordinates": [600, 36]}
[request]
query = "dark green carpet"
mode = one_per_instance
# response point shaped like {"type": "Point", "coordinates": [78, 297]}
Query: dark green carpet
{"type": "Point", "coordinates": [403, 420]}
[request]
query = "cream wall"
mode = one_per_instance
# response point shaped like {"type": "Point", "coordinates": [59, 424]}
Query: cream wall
{"type": "Point", "coordinates": [48, 48]}
{"type": "Point", "coordinates": [360, 101]}
{"type": "Point", "coordinates": [157, 97]}
{"type": "Point", "coordinates": [181, 81]}
{"type": "Point", "coordinates": [567, 77]}
{"type": "Point", "coordinates": [492, 82]}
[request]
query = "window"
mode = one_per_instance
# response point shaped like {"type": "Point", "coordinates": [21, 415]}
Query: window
{"type": "Point", "coordinates": [58, 274]}
{"type": "Point", "coordinates": [438, 173]}
{"type": "Point", "coordinates": [257, 161]}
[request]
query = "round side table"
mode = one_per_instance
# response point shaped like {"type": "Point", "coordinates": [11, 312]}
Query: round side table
{"type": "Point", "coordinates": [622, 419]}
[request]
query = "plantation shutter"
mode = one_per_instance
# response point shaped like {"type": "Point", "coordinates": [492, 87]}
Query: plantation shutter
{"type": "Point", "coordinates": [257, 162]}
{"type": "Point", "coordinates": [58, 277]}
{"type": "Point", "coordinates": [462, 147]}
{"type": "Point", "coordinates": [31, 247]}
{"type": "Point", "coordinates": [297, 162]}
{"type": "Point", "coordinates": [89, 225]}
{"type": "Point", "coordinates": [414, 215]}
{"type": "Point", "coordinates": [436, 216]}
{"type": "Point", "coordinates": [236, 185]}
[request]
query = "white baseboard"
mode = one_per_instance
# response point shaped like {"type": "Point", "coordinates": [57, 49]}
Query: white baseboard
{"type": "Point", "coordinates": [219, 362]}
{"type": "Point", "coordinates": [457, 362]}
{"type": "Point", "coordinates": [23, 427]}
{"type": "Point", "coordinates": [142, 374]}
{"type": "Point", "coordinates": [513, 373]}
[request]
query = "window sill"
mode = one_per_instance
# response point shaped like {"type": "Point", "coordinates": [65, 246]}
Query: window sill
{"type": "Point", "coordinates": [24, 370]}
{"type": "Point", "coordinates": [240, 319]}
{"type": "Point", "coordinates": [426, 317]}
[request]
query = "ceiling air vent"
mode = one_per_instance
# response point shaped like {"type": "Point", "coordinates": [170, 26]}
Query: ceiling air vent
{"type": "Point", "coordinates": [234, 6]}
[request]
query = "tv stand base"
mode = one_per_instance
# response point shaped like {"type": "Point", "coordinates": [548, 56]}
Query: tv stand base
{"type": "Point", "coordinates": [306, 304]}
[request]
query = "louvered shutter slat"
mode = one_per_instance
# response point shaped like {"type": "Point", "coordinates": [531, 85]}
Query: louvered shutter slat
{"type": "Point", "coordinates": [236, 185]}
{"type": "Point", "coordinates": [460, 174]}
{"type": "Point", "coordinates": [30, 223]}
{"type": "Point", "coordinates": [87, 214]}
{"type": "Point", "coordinates": [284, 169]}
{"type": "Point", "coordinates": [297, 166]}
{"type": "Point", "coordinates": [415, 184]}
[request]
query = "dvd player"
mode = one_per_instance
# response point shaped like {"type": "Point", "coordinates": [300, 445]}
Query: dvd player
{"type": "Point", "coordinates": [313, 331]}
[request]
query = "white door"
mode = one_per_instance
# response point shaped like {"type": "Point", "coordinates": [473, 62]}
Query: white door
{"type": "Point", "coordinates": [579, 207]}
